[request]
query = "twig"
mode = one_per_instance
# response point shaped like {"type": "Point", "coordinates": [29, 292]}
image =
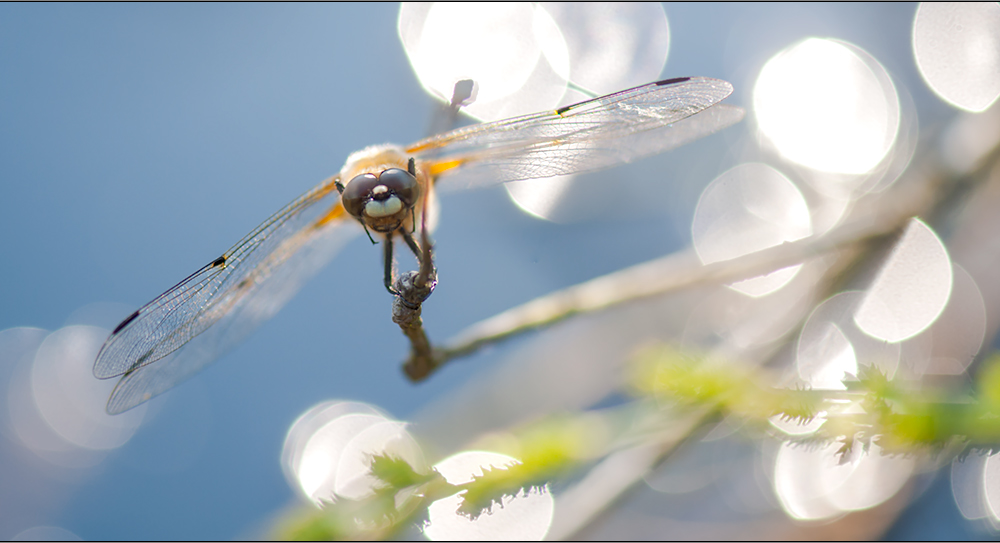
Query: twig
{"type": "Point", "coordinates": [415, 287]}
{"type": "Point", "coordinates": [406, 313]}
{"type": "Point", "coordinates": [607, 482]}
{"type": "Point", "coordinates": [679, 271]}
{"type": "Point", "coordinates": [925, 190]}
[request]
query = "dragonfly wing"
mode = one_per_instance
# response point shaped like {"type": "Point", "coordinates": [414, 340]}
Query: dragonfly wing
{"type": "Point", "coordinates": [215, 308]}
{"type": "Point", "coordinates": [582, 156]}
{"type": "Point", "coordinates": [588, 136]}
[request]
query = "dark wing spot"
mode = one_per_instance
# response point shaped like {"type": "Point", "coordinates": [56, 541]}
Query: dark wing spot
{"type": "Point", "coordinates": [672, 81]}
{"type": "Point", "coordinates": [219, 262]}
{"type": "Point", "coordinates": [663, 83]}
{"type": "Point", "coordinates": [125, 322]}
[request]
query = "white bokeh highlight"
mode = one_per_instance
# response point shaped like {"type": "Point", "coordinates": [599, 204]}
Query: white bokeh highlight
{"type": "Point", "coordinates": [611, 47]}
{"type": "Point", "coordinates": [811, 483]}
{"type": "Point", "coordinates": [315, 441]}
{"type": "Point", "coordinates": [522, 55]}
{"type": "Point", "coordinates": [831, 345]}
{"type": "Point", "coordinates": [968, 485]}
{"type": "Point", "coordinates": [747, 209]}
{"type": "Point", "coordinates": [991, 488]}
{"type": "Point", "coordinates": [514, 52]}
{"type": "Point", "coordinates": [798, 427]}
{"type": "Point", "coordinates": [68, 396]}
{"type": "Point", "coordinates": [833, 357]}
{"type": "Point", "coordinates": [354, 478]}
{"type": "Point", "coordinates": [957, 48]}
{"type": "Point", "coordinates": [950, 345]}
{"type": "Point", "coordinates": [540, 197]}
{"type": "Point", "coordinates": [55, 405]}
{"type": "Point", "coordinates": [526, 58]}
{"type": "Point", "coordinates": [912, 288]}
{"type": "Point", "coordinates": [827, 105]}
{"type": "Point", "coordinates": [521, 518]}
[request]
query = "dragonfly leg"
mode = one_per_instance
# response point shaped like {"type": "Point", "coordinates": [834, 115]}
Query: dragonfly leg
{"type": "Point", "coordinates": [370, 238]}
{"type": "Point", "coordinates": [387, 257]}
{"type": "Point", "coordinates": [411, 243]}
{"type": "Point", "coordinates": [425, 255]}
{"type": "Point", "coordinates": [414, 287]}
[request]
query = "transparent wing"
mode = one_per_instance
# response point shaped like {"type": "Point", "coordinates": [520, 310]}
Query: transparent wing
{"type": "Point", "coordinates": [587, 136]}
{"type": "Point", "coordinates": [205, 315]}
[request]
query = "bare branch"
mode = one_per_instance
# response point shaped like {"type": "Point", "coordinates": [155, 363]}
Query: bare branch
{"type": "Point", "coordinates": [881, 216]}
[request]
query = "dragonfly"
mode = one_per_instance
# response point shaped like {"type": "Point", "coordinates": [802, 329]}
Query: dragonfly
{"type": "Point", "coordinates": [385, 190]}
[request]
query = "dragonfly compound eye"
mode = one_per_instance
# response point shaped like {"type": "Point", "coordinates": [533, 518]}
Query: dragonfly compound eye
{"type": "Point", "coordinates": [401, 183]}
{"type": "Point", "coordinates": [357, 193]}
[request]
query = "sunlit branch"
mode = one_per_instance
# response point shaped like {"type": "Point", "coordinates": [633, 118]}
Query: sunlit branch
{"type": "Point", "coordinates": [607, 482]}
{"type": "Point", "coordinates": [927, 191]}
{"type": "Point", "coordinates": [682, 270]}
{"type": "Point", "coordinates": [876, 216]}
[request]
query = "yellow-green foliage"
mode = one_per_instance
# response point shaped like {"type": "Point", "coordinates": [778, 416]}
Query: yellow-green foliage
{"type": "Point", "coordinates": [900, 417]}
{"type": "Point", "coordinates": [670, 375]}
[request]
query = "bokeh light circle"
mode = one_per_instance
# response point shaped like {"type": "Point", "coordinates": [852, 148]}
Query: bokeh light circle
{"type": "Point", "coordinates": [957, 48]}
{"type": "Point", "coordinates": [354, 479]}
{"type": "Point", "coordinates": [950, 345]}
{"type": "Point", "coordinates": [520, 518]}
{"type": "Point", "coordinates": [912, 288]}
{"type": "Point", "coordinates": [504, 48]}
{"type": "Point", "coordinates": [991, 487]}
{"type": "Point", "coordinates": [827, 105]}
{"type": "Point", "coordinates": [540, 197]}
{"type": "Point", "coordinates": [68, 396]}
{"type": "Point", "coordinates": [747, 209]}
{"type": "Point", "coordinates": [315, 441]}
{"type": "Point", "coordinates": [813, 483]}
{"type": "Point", "coordinates": [831, 345]}
{"type": "Point", "coordinates": [612, 46]}
{"type": "Point", "coordinates": [46, 533]}
{"type": "Point", "coordinates": [968, 485]}
{"type": "Point", "coordinates": [521, 56]}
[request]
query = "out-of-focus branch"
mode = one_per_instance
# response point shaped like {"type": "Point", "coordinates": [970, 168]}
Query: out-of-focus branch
{"type": "Point", "coordinates": [613, 476]}
{"type": "Point", "coordinates": [920, 192]}
{"type": "Point", "coordinates": [930, 187]}
{"type": "Point", "coordinates": [874, 218]}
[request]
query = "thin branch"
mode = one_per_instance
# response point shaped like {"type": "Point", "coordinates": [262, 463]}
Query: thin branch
{"type": "Point", "coordinates": [682, 270]}
{"type": "Point", "coordinates": [926, 189]}
{"type": "Point", "coordinates": [615, 476]}
{"type": "Point", "coordinates": [415, 287]}
{"type": "Point", "coordinates": [406, 308]}
{"type": "Point", "coordinates": [923, 188]}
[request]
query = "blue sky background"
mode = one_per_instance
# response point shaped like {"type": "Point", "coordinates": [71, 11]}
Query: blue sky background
{"type": "Point", "coordinates": [138, 142]}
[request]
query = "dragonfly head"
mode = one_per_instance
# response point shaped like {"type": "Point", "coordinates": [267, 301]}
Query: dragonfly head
{"type": "Point", "coordinates": [381, 201]}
